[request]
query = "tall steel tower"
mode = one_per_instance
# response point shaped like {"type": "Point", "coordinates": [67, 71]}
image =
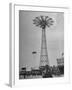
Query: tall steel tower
{"type": "Point", "coordinates": [43, 22]}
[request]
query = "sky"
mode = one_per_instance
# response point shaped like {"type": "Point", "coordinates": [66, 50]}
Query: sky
{"type": "Point", "coordinates": [30, 38]}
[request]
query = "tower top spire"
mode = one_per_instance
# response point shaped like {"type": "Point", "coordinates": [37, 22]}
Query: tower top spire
{"type": "Point", "coordinates": [43, 21]}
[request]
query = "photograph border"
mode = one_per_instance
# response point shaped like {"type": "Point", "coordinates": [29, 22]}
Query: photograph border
{"type": "Point", "coordinates": [14, 45]}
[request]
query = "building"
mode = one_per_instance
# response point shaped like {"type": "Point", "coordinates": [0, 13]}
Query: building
{"type": "Point", "coordinates": [60, 61]}
{"type": "Point", "coordinates": [60, 64]}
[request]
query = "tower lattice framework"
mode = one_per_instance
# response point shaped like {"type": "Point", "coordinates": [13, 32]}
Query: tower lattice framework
{"type": "Point", "coordinates": [44, 54]}
{"type": "Point", "coordinates": [43, 22]}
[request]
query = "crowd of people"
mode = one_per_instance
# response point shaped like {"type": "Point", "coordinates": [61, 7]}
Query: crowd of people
{"type": "Point", "coordinates": [43, 71]}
